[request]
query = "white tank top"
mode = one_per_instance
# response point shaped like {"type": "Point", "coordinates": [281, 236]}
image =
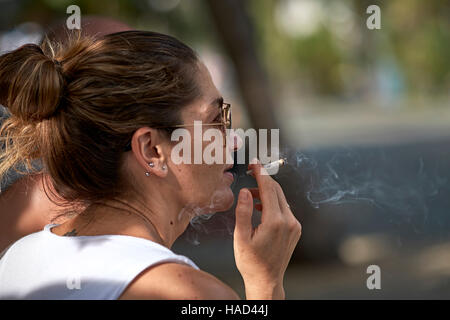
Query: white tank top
{"type": "Point", "coordinates": [44, 265]}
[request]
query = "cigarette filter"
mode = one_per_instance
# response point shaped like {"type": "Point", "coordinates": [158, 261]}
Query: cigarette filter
{"type": "Point", "coordinates": [271, 165]}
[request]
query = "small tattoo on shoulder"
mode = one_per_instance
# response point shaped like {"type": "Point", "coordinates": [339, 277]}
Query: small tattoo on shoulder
{"type": "Point", "coordinates": [72, 233]}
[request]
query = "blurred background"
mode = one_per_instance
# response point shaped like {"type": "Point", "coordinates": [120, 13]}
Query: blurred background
{"type": "Point", "coordinates": [364, 119]}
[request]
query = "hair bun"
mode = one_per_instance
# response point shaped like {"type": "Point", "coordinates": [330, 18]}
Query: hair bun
{"type": "Point", "coordinates": [57, 63]}
{"type": "Point", "coordinates": [31, 83]}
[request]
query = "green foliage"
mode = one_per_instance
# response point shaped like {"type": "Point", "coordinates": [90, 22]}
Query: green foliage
{"type": "Point", "coordinates": [415, 35]}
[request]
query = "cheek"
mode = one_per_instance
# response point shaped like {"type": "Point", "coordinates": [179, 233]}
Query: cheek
{"type": "Point", "coordinates": [207, 178]}
{"type": "Point", "coordinates": [205, 184]}
{"type": "Point", "coordinates": [208, 188]}
{"type": "Point", "coordinates": [198, 182]}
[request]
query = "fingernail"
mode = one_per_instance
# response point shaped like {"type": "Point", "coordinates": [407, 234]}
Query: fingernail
{"type": "Point", "coordinates": [244, 194]}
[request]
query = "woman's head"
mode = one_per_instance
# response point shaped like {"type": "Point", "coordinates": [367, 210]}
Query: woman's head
{"type": "Point", "coordinates": [78, 106]}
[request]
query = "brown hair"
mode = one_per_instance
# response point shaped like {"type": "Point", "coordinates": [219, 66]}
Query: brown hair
{"type": "Point", "coordinates": [76, 106]}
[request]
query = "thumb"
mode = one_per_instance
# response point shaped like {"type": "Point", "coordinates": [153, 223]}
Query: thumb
{"type": "Point", "coordinates": [244, 210]}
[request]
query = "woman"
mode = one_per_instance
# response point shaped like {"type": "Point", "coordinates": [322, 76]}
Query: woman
{"type": "Point", "coordinates": [100, 113]}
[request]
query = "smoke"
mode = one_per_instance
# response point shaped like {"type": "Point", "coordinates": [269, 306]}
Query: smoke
{"type": "Point", "coordinates": [402, 181]}
{"type": "Point", "coordinates": [389, 181]}
{"type": "Point", "coordinates": [199, 216]}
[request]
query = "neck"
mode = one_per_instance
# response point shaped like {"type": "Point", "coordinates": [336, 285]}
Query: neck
{"type": "Point", "coordinates": [160, 222]}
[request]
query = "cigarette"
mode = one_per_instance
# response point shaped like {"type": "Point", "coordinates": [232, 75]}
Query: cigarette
{"type": "Point", "coordinates": [274, 164]}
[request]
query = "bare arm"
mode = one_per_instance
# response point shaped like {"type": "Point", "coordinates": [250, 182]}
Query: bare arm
{"type": "Point", "coordinates": [173, 281]}
{"type": "Point", "coordinates": [24, 209]}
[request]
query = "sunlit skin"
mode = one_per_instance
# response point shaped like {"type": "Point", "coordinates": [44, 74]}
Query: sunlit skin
{"type": "Point", "coordinates": [166, 200]}
{"type": "Point", "coordinates": [24, 209]}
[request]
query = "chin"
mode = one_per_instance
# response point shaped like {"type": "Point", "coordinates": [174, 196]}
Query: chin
{"type": "Point", "coordinates": [222, 199]}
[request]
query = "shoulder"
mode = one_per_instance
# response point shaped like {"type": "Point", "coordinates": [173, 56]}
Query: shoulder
{"type": "Point", "coordinates": [174, 281]}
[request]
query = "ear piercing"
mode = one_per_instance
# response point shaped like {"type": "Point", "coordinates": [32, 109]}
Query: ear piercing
{"type": "Point", "coordinates": [152, 165]}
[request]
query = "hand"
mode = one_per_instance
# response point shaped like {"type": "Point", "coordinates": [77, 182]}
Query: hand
{"type": "Point", "coordinates": [263, 253]}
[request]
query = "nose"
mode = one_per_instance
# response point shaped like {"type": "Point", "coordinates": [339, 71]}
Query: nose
{"type": "Point", "coordinates": [235, 142]}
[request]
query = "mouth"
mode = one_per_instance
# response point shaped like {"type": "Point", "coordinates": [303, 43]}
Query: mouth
{"type": "Point", "coordinates": [228, 168]}
{"type": "Point", "coordinates": [230, 171]}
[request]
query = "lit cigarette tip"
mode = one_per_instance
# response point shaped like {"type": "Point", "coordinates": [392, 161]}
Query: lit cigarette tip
{"type": "Point", "coordinates": [279, 163]}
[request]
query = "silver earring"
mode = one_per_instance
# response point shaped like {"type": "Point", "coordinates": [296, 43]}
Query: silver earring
{"type": "Point", "coordinates": [151, 164]}
{"type": "Point", "coordinates": [147, 174]}
{"type": "Point", "coordinates": [164, 167]}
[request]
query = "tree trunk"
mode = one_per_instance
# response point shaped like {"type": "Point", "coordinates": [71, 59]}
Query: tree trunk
{"type": "Point", "coordinates": [236, 31]}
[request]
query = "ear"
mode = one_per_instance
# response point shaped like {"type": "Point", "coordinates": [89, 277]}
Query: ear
{"type": "Point", "coordinates": [146, 147]}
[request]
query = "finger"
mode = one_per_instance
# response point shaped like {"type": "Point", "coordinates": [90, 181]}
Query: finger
{"type": "Point", "coordinates": [244, 210]}
{"type": "Point", "coordinates": [282, 202]}
{"type": "Point", "coordinates": [266, 187]}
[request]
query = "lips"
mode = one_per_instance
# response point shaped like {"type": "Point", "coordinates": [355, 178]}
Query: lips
{"type": "Point", "coordinates": [228, 172]}
{"type": "Point", "coordinates": [228, 167]}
